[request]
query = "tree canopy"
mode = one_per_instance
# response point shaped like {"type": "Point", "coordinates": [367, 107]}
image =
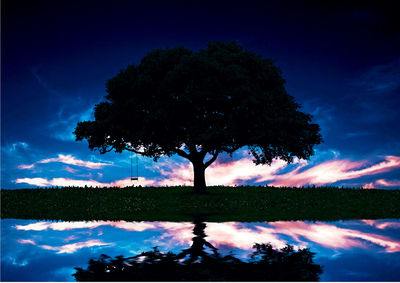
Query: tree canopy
{"type": "Point", "coordinates": [198, 105]}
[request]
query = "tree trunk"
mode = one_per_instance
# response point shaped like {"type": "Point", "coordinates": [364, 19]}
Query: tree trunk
{"type": "Point", "coordinates": [199, 177]}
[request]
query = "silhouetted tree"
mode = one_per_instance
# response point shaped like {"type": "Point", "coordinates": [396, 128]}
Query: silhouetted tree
{"type": "Point", "coordinates": [195, 264]}
{"type": "Point", "coordinates": [198, 105]}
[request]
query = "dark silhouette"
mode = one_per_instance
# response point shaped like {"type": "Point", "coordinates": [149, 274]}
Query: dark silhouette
{"type": "Point", "coordinates": [198, 105]}
{"type": "Point", "coordinates": [195, 264]}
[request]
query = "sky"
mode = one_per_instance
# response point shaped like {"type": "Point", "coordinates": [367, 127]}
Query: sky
{"type": "Point", "coordinates": [340, 60]}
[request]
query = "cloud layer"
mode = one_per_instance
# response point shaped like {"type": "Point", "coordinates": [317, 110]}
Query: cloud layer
{"type": "Point", "coordinates": [236, 172]}
{"type": "Point", "coordinates": [67, 159]}
{"type": "Point", "coordinates": [235, 234]}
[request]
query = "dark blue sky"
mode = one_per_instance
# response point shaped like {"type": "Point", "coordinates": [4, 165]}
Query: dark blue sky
{"type": "Point", "coordinates": [341, 61]}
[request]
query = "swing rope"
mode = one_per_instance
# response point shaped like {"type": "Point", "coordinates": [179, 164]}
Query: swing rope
{"type": "Point", "coordinates": [136, 178]}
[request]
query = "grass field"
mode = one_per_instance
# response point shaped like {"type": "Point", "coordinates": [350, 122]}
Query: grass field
{"type": "Point", "coordinates": [180, 204]}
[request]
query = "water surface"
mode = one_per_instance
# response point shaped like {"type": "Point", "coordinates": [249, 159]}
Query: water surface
{"type": "Point", "coordinates": [357, 250]}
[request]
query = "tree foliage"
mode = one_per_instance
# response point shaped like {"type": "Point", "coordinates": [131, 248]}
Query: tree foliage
{"type": "Point", "coordinates": [199, 104]}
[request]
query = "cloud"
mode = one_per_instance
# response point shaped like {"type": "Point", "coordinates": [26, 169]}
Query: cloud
{"type": "Point", "coordinates": [381, 78]}
{"type": "Point", "coordinates": [66, 249]}
{"type": "Point", "coordinates": [332, 236]}
{"type": "Point", "coordinates": [229, 173]}
{"type": "Point", "coordinates": [237, 235]}
{"type": "Point", "coordinates": [332, 171]}
{"type": "Point", "coordinates": [382, 225]}
{"type": "Point", "coordinates": [65, 226]}
{"type": "Point", "coordinates": [70, 170]}
{"type": "Point", "coordinates": [237, 172]}
{"type": "Point", "coordinates": [233, 234]}
{"type": "Point", "coordinates": [16, 146]}
{"type": "Point", "coordinates": [243, 170]}
{"type": "Point", "coordinates": [67, 159]}
{"type": "Point", "coordinates": [387, 183]}
{"type": "Point", "coordinates": [63, 128]}
{"type": "Point", "coordinates": [26, 166]}
{"type": "Point", "coordinates": [67, 182]}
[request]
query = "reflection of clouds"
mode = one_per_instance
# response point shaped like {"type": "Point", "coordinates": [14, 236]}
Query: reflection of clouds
{"type": "Point", "coordinates": [177, 232]}
{"type": "Point", "coordinates": [231, 234]}
{"type": "Point", "coordinates": [327, 235]}
{"type": "Point", "coordinates": [383, 183]}
{"type": "Point", "coordinates": [62, 226]}
{"type": "Point", "coordinates": [69, 248]}
{"type": "Point", "coordinates": [238, 236]}
{"type": "Point", "coordinates": [382, 225]}
{"type": "Point", "coordinates": [332, 236]}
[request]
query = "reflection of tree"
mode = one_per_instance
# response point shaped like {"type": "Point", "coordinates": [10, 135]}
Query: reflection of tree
{"type": "Point", "coordinates": [195, 264]}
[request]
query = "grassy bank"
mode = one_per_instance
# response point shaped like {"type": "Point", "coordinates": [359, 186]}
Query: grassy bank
{"type": "Point", "coordinates": [179, 204]}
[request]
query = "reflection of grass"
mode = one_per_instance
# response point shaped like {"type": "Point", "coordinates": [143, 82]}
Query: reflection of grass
{"type": "Point", "coordinates": [221, 204]}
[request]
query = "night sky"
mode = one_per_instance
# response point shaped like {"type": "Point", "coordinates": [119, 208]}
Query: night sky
{"type": "Point", "coordinates": [340, 60]}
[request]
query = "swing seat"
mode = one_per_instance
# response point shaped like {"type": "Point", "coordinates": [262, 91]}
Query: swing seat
{"type": "Point", "coordinates": [134, 178]}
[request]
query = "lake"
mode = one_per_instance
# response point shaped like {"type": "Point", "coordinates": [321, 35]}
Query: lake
{"type": "Point", "coordinates": [355, 250]}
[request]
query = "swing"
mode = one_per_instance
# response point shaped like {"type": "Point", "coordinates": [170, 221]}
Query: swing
{"type": "Point", "coordinates": [135, 178]}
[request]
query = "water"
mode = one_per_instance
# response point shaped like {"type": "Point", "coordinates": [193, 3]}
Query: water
{"type": "Point", "coordinates": [356, 250]}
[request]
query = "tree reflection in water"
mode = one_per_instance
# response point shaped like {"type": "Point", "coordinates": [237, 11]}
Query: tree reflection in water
{"type": "Point", "coordinates": [195, 264]}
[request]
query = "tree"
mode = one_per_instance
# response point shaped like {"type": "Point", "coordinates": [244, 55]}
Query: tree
{"type": "Point", "coordinates": [198, 105]}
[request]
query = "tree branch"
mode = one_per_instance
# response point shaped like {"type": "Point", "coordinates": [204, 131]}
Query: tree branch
{"type": "Point", "coordinates": [213, 158]}
{"type": "Point", "coordinates": [134, 150]}
{"type": "Point", "coordinates": [180, 152]}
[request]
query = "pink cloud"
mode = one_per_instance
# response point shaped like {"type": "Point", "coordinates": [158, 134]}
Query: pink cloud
{"type": "Point", "coordinates": [240, 171]}
{"type": "Point", "coordinates": [70, 170]}
{"type": "Point", "coordinates": [382, 225]}
{"type": "Point", "coordinates": [334, 237]}
{"type": "Point", "coordinates": [69, 159]}
{"type": "Point", "coordinates": [69, 248]}
{"type": "Point", "coordinates": [65, 182]}
{"type": "Point", "coordinates": [369, 186]}
{"type": "Point", "coordinates": [231, 234]}
{"type": "Point", "coordinates": [65, 226]}
{"type": "Point", "coordinates": [26, 166]}
{"type": "Point", "coordinates": [236, 235]}
{"type": "Point", "coordinates": [70, 238]}
{"type": "Point", "coordinates": [237, 172]}
{"type": "Point", "coordinates": [332, 171]}
{"type": "Point", "coordinates": [386, 183]}
{"type": "Point", "coordinates": [382, 183]}
{"type": "Point", "coordinates": [229, 174]}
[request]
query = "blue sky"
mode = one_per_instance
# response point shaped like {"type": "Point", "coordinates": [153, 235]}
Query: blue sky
{"type": "Point", "coordinates": [341, 63]}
